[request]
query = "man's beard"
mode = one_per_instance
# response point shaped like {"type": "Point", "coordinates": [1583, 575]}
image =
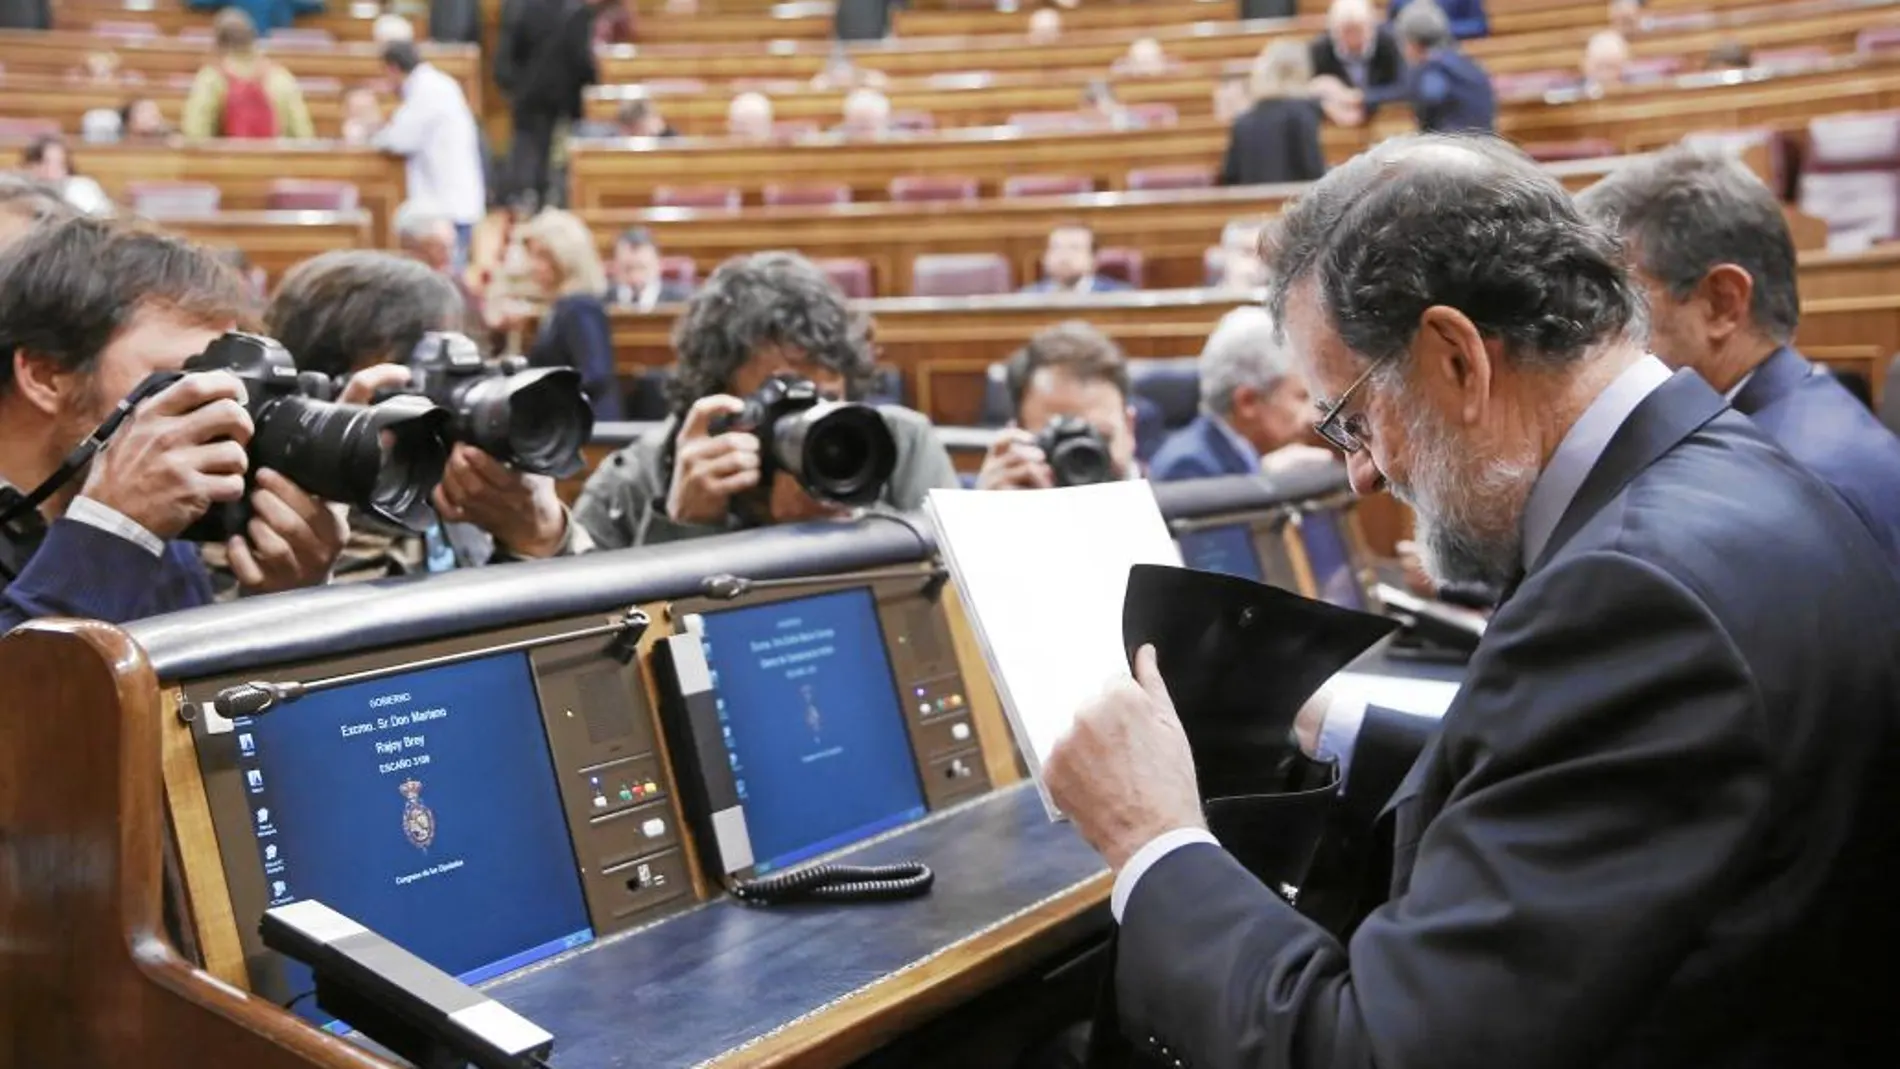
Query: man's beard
{"type": "Point", "coordinates": [1470, 510]}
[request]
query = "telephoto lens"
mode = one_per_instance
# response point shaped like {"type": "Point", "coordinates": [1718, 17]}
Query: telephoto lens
{"type": "Point", "coordinates": [532, 419]}
{"type": "Point", "coordinates": [837, 450]}
{"type": "Point", "coordinates": [384, 459]}
{"type": "Point", "coordinates": [1076, 453]}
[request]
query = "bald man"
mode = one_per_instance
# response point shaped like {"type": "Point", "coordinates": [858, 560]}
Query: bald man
{"type": "Point", "coordinates": [749, 117]}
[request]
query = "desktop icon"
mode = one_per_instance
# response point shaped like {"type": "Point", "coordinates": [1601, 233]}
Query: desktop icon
{"type": "Point", "coordinates": [256, 780]}
{"type": "Point", "coordinates": [263, 815]}
{"type": "Point", "coordinates": [246, 744]}
{"type": "Point", "coordinates": [278, 888]}
{"type": "Point", "coordinates": [270, 853]}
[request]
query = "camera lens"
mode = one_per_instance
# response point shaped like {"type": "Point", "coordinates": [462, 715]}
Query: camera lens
{"type": "Point", "coordinates": [385, 459]}
{"type": "Point", "coordinates": [535, 420]}
{"type": "Point", "coordinates": [838, 450]}
{"type": "Point", "coordinates": [1077, 455]}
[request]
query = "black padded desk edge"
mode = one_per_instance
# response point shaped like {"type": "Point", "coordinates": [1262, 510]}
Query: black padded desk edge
{"type": "Point", "coordinates": [347, 618]}
{"type": "Point", "coordinates": [716, 980]}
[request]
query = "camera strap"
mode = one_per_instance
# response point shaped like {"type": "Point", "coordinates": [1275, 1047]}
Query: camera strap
{"type": "Point", "coordinates": [14, 506]}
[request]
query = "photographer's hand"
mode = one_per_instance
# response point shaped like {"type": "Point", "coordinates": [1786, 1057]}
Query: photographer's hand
{"type": "Point", "coordinates": [292, 541]}
{"type": "Point", "coordinates": [1015, 462]}
{"type": "Point", "coordinates": [362, 387]}
{"type": "Point", "coordinates": [181, 451]}
{"type": "Point", "coordinates": [708, 469]}
{"type": "Point", "coordinates": [522, 511]}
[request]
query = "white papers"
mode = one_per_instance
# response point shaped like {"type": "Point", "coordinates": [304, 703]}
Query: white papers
{"type": "Point", "coordinates": [1042, 574]}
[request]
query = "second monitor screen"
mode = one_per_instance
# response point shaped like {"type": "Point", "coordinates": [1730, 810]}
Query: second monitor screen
{"type": "Point", "coordinates": [1331, 561]}
{"type": "Point", "coordinates": [1227, 549]}
{"type": "Point", "coordinates": [808, 711]}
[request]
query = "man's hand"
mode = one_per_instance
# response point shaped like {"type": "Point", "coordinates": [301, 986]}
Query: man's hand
{"type": "Point", "coordinates": [708, 469]}
{"type": "Point", "coordinates": [521, 510]}
{"type": "Point", "coordinates": [292, 540]}
{"type": "Point", "coordinates": [1124, 773]}
{"type": "Point", "coordinates": [365, 384]}
{"type": "Point", "coordinates": [180, 452]}
{"type": "Point", "coordinates": [1288, 457]}
{"type": "Point", "coordinates": [1015, 462]}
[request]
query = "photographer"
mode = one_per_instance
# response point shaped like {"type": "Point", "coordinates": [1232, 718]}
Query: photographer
{"type": "Point", "coordinates": [89, 309]}
{"type": "Point", "coordinates": [1070, 371]}
{"type": "Point", "coordinates": [360, 314]}
{"type": "Point", "coordinates": [757, 317]}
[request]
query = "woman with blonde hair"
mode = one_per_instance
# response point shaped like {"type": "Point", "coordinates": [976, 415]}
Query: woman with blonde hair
{"type": "Point", "coordinates": [565, 265]}
{"type": "Point", "coordinates": [1277, 139]}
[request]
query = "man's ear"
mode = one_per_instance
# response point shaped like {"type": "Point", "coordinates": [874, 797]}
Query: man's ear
{"type": "Point", "coordinates": [1454, 363]}
{"type": "Point", "coordinates": [1729, 291]}
{"type": "Point", "coordinates": [41, 383]}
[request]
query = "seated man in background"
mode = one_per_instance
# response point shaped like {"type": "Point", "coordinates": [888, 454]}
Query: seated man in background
{"type": "Point", "coordinates": [1070, 372]}
{"type": "Point", "coordinates": [140, 120]}
{"type": "Point", "coordinates": [758, 317]}
{"type": "Point", "coordinates": [1068, 264]}
{"type": "Point", "coordinates": [1606, 61]}
{"type": "Point", "coordinates": [867, 115]}
{"type": "Point", "coordinates": [1711, 246]}
{"type": "Point", "coordinates": [1355, 53]}
{"type": "Point", "coordinates": [634, 281]}
{"type": "Point", "coordinates": [359, 314]}
{"type": "Point", "coordinates": [749, 117]}
{"type": "Point", "coordinates": [1255, 408]}
{"type": "Point", "coordinates": [429, 237]}
{"type": "Point", "coordinates": [88, 310]}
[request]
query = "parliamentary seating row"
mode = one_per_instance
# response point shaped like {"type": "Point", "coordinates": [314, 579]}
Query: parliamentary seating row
{"type": "Point", "coordinates": [1833, 27]}
{"type": "Point", "coordinates": [345, 21]}
{"type": "Point", "coordinates": [275, 241]}
{"type": "Point", "coordinates": [57, 52]}
{"type": "Point", "coordinates": [65, 104]}
{"type": "Point", "coordinates": [614, 174]}
{"type": "Point", "coordinates": [1198, 44]}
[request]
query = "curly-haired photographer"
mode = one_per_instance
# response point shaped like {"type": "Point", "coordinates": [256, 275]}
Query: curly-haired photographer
{"type": "Point", "coordinates": [88, 310]}
{"type": "Point", "coordinates": [759, 318]}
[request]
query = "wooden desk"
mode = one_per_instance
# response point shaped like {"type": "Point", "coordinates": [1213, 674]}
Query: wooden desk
{"type": "Point", "coordinates": [346, 21]}
{"type": "Point", "coordinates": [244, 170]}
{"type": "Point", "coordinates": [59, 51]}
{"type": "Point", "coordinates": [277, 241]}
{"type": "Point", "coordinates": [1172, 229]}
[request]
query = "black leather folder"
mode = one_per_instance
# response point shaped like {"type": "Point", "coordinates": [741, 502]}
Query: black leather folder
{"type": "Point", "coordinates": [1240, 659]}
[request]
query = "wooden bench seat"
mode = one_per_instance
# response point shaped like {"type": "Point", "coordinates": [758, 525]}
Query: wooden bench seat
{"type": "Point", "coordinates": [60, 51]}
{"type": "Point", "coordinates": [46, 96]}
{"type": "Point", "coordinates": [277, 241]}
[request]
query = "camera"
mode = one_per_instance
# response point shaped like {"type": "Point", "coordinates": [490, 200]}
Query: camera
{"type": "Point", "coordinates": [532, 419]}
{"type": "Point", "coordinates": [384, 459]}
{"type": "Point", "coordinates": [837, 450]}
{"type": "Point", "coordinates": [1076, 453]}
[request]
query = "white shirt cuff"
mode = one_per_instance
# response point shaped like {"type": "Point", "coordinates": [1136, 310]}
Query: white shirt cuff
{"type": "Point", "coordinates": [1156, 848]}
{"type": "Point", "coordinates": [1340, 732]}
{"type": "Point", "coordinates": [113, 522]}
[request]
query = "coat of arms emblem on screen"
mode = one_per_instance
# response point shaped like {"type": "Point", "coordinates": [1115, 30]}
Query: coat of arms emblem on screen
{"type": "Point", "coordinates": [418, 820]}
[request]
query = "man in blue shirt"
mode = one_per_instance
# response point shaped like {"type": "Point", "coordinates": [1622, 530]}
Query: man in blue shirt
{"type": "Point", "coordinates": [89, 309]}
{"type": "Point", "coordinates": [1710, 244]}
{"type": "Point", "coordinates": [1448, 91]}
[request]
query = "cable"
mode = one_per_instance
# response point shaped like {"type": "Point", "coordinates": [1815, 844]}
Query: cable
{"type": "Point", "coordinates": [839, 883]}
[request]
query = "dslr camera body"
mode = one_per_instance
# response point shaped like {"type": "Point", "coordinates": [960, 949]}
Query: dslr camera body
{"type": "Point", "coordinates": [1076, 452]}
{"type": "Point", "coordinates": [837, 450]}
{"type": "Point", "coordinates": [532, 419]}
{"type": "Point", "coordinates": [385, 459]}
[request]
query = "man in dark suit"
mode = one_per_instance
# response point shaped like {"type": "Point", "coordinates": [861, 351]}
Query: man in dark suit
{"type": "Point", "coordinates": [634, 278]}
{"type": "Point", "coordinates": [1355, 50]}
{"type": "Point", "coordinates": [545, 59]}
{"type": "Point", "coordinates": [1656, 825]}
{"type": "Point", "coordinates": [1255, 408]}
{"type": "Point", "coordinates": [1710, 243]}
{"type": "Point", "coordinates": [1068, 264]}
{"type": "Point", "coordinates": [1447, 90]}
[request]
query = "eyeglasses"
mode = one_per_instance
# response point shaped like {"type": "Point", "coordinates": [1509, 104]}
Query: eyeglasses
{"type": "Point", "coordinates": [1345, 433]}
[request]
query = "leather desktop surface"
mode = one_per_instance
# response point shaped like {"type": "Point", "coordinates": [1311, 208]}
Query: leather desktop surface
{"type": "Point", "coordinates": [704, 983]}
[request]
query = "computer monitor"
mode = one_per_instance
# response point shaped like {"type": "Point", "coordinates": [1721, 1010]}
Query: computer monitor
{"type": "Point", "coordinates": [1227, 548]}
{"type": "Point", "coordinates": [808, 708]}
{"type": "Point", "coordinates": [424, 805]}
{"type": "Point", "coordinates": [1330, 560]}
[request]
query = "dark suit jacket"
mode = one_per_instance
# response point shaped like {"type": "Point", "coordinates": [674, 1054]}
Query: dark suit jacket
{"type": "Point", "coordinates": [575, 333]}
{"type": "Point", "coordinates": [1198, 451]}
{"type": "Point", "coordinates": [1274, 141]}
{"type": "Point", "coordinates": [1386, 66]}
{"type": "Point", "coordinates": [546, 55]}
{"type": "Point", "coordinates": [1656, 827]}
{"type": "Point", "coordinates": [1449, 93]}
{"type": "Point", "coordinates": [1813, 416]}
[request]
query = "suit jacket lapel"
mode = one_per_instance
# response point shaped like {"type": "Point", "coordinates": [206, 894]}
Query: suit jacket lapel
{"type": "Point", "coordinates": [1677, 409]}
{"type": "Point", "coordinates": [1218, 444]}
{"type": "Point", "coordinates": [1773, 379]}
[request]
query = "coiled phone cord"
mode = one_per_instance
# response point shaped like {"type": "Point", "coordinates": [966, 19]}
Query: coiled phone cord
{"type": "Point", "coordinates": [839, 883]}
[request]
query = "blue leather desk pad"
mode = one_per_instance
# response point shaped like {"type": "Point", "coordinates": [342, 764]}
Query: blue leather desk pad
{"type": "Point", "coordinates": [696, 986]}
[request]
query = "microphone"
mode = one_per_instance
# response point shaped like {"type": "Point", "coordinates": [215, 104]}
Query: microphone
{"type": "Point", "coordinates": [724, 586]}
{"type": "Point", "coordinates": [728, 587]}
{"type": "Point", "coordinates": [255, 697]}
